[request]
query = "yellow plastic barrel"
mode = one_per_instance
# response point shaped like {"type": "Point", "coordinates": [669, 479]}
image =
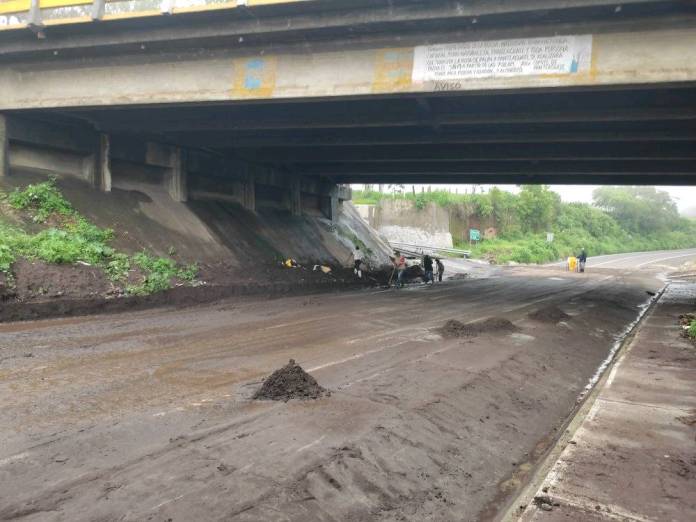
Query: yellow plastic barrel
{"type": "Point", "coordinates": [572, 263]}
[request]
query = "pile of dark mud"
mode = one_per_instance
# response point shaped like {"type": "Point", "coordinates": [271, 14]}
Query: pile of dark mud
{"type": "Point", "coordinates": [290, 382]}
{"type": "Point", "coordinates": [550, 314]}
{"type": "Point", "coordinates": [492, 325]}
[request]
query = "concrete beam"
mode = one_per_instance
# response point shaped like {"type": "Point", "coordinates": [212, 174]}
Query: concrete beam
{"type": "Point", "coordinates": [658, 131]}
{"type": "Point", "coordinates": [53, 135]}
{"type": "Point", "coordinates": [533, 179]}
{"type": "Point", "coordinates": [43, 160]}
{"type": "Point", "coordinates": [4, 147]}
{"type": "Point", "coordinates": [355, 172]}
{"type": "Point", "coordinates": [370, 115]}
{"type": "Point", "coordinates": [582, 151]}
{"type": "Point", "coordinates": [312, 20]}
{"type": "Point", "coordinates": [228, 74]}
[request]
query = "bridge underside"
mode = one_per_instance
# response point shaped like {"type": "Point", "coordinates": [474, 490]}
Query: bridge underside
{"type": "Point", "coordinates": [312, 94]}
{"type": "Point", "coordinates": [622, 135]}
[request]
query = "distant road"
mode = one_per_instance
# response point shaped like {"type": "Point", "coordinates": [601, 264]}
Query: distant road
{"type": "Point", "coordinates": [658, 259]}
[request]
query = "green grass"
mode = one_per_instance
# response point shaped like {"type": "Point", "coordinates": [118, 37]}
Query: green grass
{"type": "Point", "coordinates": [70, 238]}
{"type": "Point", "coordinates": [442, 198]}
{"type": "Point", "coordinates": [534, 248]}
{"type": "Point", "coordinates": [42, 200]}
{"type": "Point", "coordinates": [691, 331]}
{"type": "Point", "coordinates": [159, 273]}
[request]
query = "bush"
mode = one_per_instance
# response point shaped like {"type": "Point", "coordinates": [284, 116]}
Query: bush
{"type": "Point", "coordinates": [117, 268]}
{"type": "Point", "coordinates": [691, 331]}
{"type": "Point", "coordinates": [43, 198]}
{"type": "Point", "coordinates": [159, 273]}
{"type": "Point", "coordinates": [74, 238]}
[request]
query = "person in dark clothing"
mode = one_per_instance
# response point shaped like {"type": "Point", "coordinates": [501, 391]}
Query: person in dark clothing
{"type": "Point", "coordinates": [582, 259]}
{"type": "Point", "coordinates": [428, 268]}
{"type": "Point", "coordinates": [440, 269]}
{"type": "Point", "coordinates": [400, 268]}
{"type": "Point", "coordinates": [357, 262]}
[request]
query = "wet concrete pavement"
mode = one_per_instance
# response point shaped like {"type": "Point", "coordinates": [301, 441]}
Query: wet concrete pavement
{"type": "Point", "coordinates": [147, 416]}
{"type": "Point", "coordinates": [633, 458]}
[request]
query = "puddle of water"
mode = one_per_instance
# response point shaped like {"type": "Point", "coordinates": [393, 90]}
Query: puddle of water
{"type": "Point", "coordinates": [619, 339]}
{"type": "Point", "coordinates": [522, 338]}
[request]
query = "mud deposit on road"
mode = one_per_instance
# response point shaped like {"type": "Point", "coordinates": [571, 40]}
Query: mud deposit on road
{"type": "Point", "coordinates": [146, 415]}
{"type": "Point", "coordinates": [290, 382]}
{"type": "Point", "coordinates": [549, 314]}
{"type": "Point", "coordinates": [494, 325]}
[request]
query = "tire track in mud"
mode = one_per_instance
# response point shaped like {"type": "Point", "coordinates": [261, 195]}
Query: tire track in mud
{"type": "Point", "coordinates": [419, 445]}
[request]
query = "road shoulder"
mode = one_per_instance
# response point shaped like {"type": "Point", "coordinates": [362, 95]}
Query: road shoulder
{"type": "Point", "coordinates": [632, 458]}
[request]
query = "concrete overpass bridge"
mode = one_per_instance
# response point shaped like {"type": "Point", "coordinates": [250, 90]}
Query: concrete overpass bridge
{"type": "Point", "coordinates": [284, 100]}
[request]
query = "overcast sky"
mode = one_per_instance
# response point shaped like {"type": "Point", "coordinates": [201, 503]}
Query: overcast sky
{"type": "Point", "coordinates": [685, 197]}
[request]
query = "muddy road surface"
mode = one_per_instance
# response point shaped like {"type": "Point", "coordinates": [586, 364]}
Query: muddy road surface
{"type": "Point", "coordinates": [148, 415]}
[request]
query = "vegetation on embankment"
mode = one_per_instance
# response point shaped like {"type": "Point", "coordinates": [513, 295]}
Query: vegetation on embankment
{"type": "Point", "coordinates": [691, 331]}
{"type": "Point", "coordinates": [621, 219]}
{"type": "Point", "coordinates": [38, 223]}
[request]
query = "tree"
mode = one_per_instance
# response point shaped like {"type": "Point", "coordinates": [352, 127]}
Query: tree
{"type": "Point", "coordinates": [537, 207]}
{"type": "Point", "coordinates": [504, 205]}
{"type": "Point", "coordinates": [638, 209]}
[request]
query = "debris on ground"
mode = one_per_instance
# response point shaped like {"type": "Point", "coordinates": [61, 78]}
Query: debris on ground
{"type": "Point", "coordinates": [290, 382]}
{"type": "Point", "coordinates": [689, 420]}
{"type": "Point", "coordinates": [688, 324]}
{"type": "Point", "coordinates": [494, 325]}
{"type": "Point", "coordinates": [545, 502]}
{"type": "Point", "coordinates": [550, 314]}
{"type": "Point", "coordinates": [687, 319]}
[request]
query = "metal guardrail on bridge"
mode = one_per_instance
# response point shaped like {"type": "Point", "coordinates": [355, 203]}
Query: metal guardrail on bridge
{"type": "Point", "coordinates": [17, 14]}
{"type": "Point", "coordinates": [419, 250]}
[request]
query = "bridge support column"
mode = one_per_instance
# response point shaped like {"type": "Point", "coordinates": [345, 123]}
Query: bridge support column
{"type": "Point", "coordinates": [4, 147]}
{"type": "Point", "coordinates": [249, 192]}
{"type": "Point", "coordinates": [101, 176]}
{"type": "Point", "coordinates": [178, 183]}
{"type": "Point", "coordinates": [329, 203]}
{"type": "Point", "coordinates": [295, 196]}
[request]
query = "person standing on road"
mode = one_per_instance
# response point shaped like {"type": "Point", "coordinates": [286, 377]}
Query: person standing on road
{"type": "Point", "coordinates": [428, 269]}
{"type": "Point", "coordinates": [400, 266]}
{"type": "Point", "coordinates": [582, 259]}
{"type": "Point", "coordinates": [440, 269]}
{"type": "Point", "coordinates": [357, 262]}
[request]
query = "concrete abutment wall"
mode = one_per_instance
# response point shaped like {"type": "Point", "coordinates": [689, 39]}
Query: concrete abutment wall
{"type": "Point", "coordinates": [104, 161]}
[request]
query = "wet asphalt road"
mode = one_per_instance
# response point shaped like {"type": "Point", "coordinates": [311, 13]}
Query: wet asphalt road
{"type": "Point", "coordinates": [657, 261]}
{"type": "Point", "coordinates": [147, 416]}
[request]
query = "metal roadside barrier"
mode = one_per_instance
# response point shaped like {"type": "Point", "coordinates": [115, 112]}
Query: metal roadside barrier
{"type": "Point", "coordinates": [419, 250]}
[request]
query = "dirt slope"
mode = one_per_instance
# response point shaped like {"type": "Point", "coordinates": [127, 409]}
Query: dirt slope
{"type": "Point", "coordinates": [231, 246]}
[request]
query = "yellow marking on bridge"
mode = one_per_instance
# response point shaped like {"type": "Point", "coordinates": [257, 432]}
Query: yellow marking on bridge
{"type": "Point", "coordinates": [22, 6]}
{"type": "Point", "coordinates": [393, 68]}
{"type": "Point", "coordinates": [49, 4]}
{"type": "Point", "coordinates": [14, 6]}
{"type": "Point", "coordinates": [255, 77]}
